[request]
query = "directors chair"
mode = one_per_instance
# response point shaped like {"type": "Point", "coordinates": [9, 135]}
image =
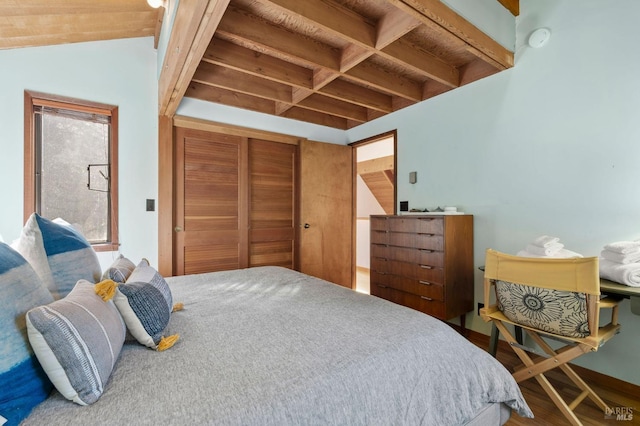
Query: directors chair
{"type": "Point", "coordinates": [554, 298]}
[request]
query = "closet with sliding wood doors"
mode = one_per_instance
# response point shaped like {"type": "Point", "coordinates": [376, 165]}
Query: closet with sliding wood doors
{"type": "Point", "coordinates": [235, 202]}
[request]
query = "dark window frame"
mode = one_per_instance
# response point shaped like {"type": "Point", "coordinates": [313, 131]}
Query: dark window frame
{"type": "Point", "coordinates": [37, 99]}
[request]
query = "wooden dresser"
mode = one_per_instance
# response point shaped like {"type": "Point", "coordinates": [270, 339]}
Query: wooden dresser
{"type": "Point", "coordinates": [424, 262]}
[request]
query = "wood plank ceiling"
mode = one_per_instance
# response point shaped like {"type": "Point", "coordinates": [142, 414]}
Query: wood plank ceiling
{"type": "Point", "coordinates": [340, 63]}
{"type": "Point", "coordinates": [29, 23]}
{"type": "Point", "coordinates": [337, 63]}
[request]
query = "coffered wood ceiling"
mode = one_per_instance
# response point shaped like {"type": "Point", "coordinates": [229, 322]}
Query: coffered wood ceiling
{"type": "Point", "coordinates": [338, 63]}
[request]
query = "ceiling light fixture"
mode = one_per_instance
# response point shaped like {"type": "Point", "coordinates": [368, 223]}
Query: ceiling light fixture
{"type": "Point", "coordinates": [155, 3]}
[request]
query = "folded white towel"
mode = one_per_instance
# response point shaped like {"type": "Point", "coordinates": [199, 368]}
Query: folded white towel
{"type": "Point", "coordinates": [620, 257]}
{"type": "Point", "coordinates": [628, 274]}
{"type": "Point", "coordinates": [545, 241]}
{"type": "Point", "coordinates": [624, 247]}
{"type": "Point", "coordinates": [560, 254]}
{"type": "Point", "coordinates": [550, 250]}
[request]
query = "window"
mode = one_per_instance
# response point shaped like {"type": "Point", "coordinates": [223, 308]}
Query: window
{"type": "Point", "coordinates": [70, 168]}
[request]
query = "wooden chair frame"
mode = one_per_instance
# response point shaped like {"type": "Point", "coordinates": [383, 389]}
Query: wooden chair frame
{"type": "Point", "coordinates": [575, 274]}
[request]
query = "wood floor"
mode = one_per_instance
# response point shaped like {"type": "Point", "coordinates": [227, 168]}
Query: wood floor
{"type": "Point", "coordinates": [614, 392]}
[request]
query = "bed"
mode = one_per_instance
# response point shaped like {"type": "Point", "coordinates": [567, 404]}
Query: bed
{"type": "Point", "coordinates": [271, 346]}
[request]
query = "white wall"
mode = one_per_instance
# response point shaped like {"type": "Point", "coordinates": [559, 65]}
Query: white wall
{"type": "Point", "coordinates": [548, 147]}
{"type": "Point", "coordinates": [118, 72]}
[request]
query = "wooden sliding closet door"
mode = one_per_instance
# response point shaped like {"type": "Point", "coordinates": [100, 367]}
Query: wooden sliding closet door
{"type": "Point", "coordinates": [235, 202]}
{"type": "Point", "coordinates": [211, 198]}
{"type": "Point", "coordinates": [272, 203]}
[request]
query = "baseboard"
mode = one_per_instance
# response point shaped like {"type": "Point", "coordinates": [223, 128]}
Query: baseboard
{"type": "Point", "coordinates": [590, 376]}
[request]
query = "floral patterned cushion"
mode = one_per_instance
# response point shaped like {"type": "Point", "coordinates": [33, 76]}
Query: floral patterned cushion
{"type": "Point", "coordinates": [559, 312]}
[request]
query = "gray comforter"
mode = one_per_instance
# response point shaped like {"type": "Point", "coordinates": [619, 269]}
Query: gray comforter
{"type": "Point", "coordinates": [270, 346]}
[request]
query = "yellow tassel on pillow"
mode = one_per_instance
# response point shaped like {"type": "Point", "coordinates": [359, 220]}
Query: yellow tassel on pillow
{"type": "Point", "coordinates": [178, 307]}
{"type": "Point", "coordinates": [106, 289]}
{"type": "Point", "coordinates": [166, 342]}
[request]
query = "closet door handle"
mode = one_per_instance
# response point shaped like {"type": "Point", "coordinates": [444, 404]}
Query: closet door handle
{"type": "Point", "coordinates": [177, 229]}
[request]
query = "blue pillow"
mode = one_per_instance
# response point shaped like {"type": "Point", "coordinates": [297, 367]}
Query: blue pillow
{"type": "Point", "coordinates": [59, 254]}
{"type": "Point", "coordinates": [145, 303]}
{"type": "Point", "coordinates": [24, 383]}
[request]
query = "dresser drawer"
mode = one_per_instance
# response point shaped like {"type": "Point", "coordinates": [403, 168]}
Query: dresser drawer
{"type": "Point", "coordinates": [380, 250]}
{"type": "Point", "coordinates": [418, 287]}
{"type": "Point", "coordinates": [420, 303]}
{"type": "Point", "coordinates": [418, 225]}
{"type": "Point", "coordinates": [379, 237]}
{"type": "Point", "coordinates": [423, 256]}
{"type": "Point", "coordinates": [382, 279]}
{"type": "Point", "coordinates": [380, 265]}
{"type": "Point", "coordinates": [419, 241]}
{"type": "Point", "coordinates": [378, 223]}
{"type": "Point", "coordinates": [415, 271]}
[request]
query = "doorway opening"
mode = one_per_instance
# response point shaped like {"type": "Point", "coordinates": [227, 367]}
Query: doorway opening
{"type": "Point", "coordinates": [374, 193]}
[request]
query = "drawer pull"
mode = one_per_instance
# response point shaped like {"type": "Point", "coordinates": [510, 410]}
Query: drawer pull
{"type": "Point", "coordinates": [381, 273]}
{"type": "Point", "coordinates": [381, 286]}
{"type": "Point", "coordinates": [384, 259]}
{"type": "Point", "coordinates": [426, 298]}
{"type": "Point", "coordinates": [425, 282]}
{"type": "Point", "coordinates": [426, 233]}
{"type": "Point", "coordinates": [427, 250]}
{"type": "Point", "coordinates": [426, 267]}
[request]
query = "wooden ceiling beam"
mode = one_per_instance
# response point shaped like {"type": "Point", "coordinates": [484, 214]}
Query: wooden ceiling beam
{"type": "Point", "coordinates": [349, 92]}
{"type": "Point", "coordinates": [329, 16]}
{"type": "Point", "coordinates": [243, 26]}
{"type": "Point", "coordinates": [227, 54]}
{"type": "Point", "coordinates": [230, 79]}
{"type": "Point", "coordinates": [371, 75]}
{"type": "Point", "coordinates": [422, 62]}
{"type": "Point", "coordinates": [393, 26]}
{"type": "Point", "coordinates": [437, 15]}
{"type": "Point", "coordinates": [194, 24]}
{"type": "Point", "coordinates": [321, 103]}
{"type": "Point", "coordinates": [227, 97]}
{"type": "Point", "coordinates": [364, 39]}
{"type": "Point", "coordinates": [512, 6]}
{"type": "Point", "coordinates": [310, 116]}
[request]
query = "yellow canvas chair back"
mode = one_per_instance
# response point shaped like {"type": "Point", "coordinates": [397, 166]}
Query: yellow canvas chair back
{"type": "Point", "coordinates": [557, 298]}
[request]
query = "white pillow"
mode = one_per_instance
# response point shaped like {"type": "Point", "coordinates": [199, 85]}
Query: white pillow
{"type": "Point", "coordinates": [59, 254]}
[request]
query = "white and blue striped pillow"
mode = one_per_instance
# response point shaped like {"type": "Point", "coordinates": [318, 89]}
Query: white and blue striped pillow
{"type": "Point", "coordinates": [145, 303]}
{"type": "Point", "coordinates": [24, 383]}
{"type": "Point", "coordinates": [59, 254]}
{"type": "Point", "coordinates": [77, 341]}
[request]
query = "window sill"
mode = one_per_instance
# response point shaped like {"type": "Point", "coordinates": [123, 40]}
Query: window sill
{"type": "Point", "coordinates": [105, 247]}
